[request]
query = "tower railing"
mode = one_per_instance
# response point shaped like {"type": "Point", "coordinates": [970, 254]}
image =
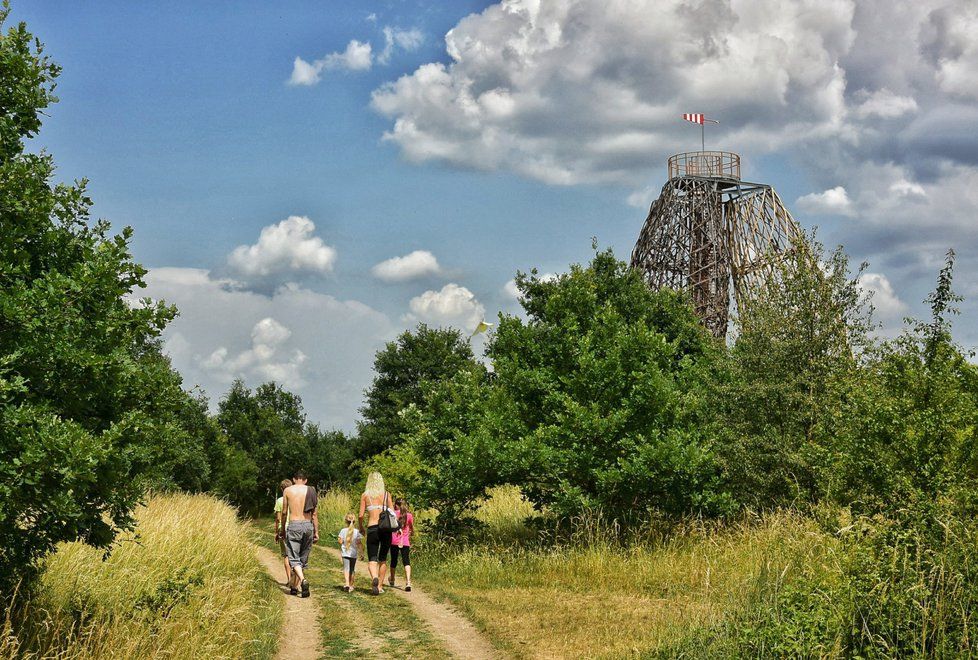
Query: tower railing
{"type": "Point", "coordinates": [705, 163]}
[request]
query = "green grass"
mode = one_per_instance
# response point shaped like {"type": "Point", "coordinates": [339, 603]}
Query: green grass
{"type": "Point", "coordinates": [185, 584]}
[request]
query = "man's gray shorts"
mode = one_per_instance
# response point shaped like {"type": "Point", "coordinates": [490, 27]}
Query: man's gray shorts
{"type": "Point", "coordinates": [298, 542]}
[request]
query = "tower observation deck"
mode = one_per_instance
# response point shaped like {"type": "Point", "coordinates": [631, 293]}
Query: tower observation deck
{"type": "Point", "coordinates": [712, 234]}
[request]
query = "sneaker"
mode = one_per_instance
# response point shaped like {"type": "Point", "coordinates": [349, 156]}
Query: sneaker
{"type": "Point", "coordinates": [293, 591]}
{"type": "Point", "coordinates": [391, 580]}
{"type": "Point", "coordinates": [305, 588]}
{"type": "Point", "coordinates": [375, 587]}
{"type": "Point", "coordinates": [407, 588]}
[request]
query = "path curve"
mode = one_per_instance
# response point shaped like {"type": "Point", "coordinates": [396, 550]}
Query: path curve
{"type": "Point", "coordinates": [300, 626]}
{"type": "Point", "coordinates": [457, 633]}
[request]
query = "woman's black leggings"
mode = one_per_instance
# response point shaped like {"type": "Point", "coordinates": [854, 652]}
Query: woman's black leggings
{"type": "Point", "coordinates": [378, 544]}
{"type": "Point", "coordinates": [405, 554]}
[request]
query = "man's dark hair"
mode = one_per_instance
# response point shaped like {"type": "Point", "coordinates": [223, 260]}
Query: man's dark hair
{"type": "Point", "coordinates": [299, 474]}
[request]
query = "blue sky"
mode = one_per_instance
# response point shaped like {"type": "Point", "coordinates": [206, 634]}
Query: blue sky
{"type": "Point", "coordinates": [509, 145]}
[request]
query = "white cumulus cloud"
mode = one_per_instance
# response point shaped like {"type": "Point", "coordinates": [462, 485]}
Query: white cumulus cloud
{"type": "Point", "coordinates": [583, 91]}
{"type": "Point", "coordinates": [453, 305]}
{"type": "Point", "coordinates": [834, 201]}
{"type": "Point", "coordinates": [358, 56]}
{"type": "Point", "coordinates": [406, 40]}
{"type": "Point", "coordinates": [419, 263]}
{"type": "Point", "coordinates": [264, 360]}
{"type": "Point", "coordinates": [288, 247]}
{"type": "Point", "coordinates": [886, 105]}
{"type": "Point", "coordinates": [881, 294]}
{"type": "Point", "coordinates": [321, 347]}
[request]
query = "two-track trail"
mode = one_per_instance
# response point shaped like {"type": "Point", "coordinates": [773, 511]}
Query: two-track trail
{"type": "Point", "coordinates": [458, 635]}
{"type": "Point", "coordinates": [299, 637]}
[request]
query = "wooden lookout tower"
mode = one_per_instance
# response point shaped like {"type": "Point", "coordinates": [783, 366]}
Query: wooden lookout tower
{"type": "Point", "coordinates": [709, 232]}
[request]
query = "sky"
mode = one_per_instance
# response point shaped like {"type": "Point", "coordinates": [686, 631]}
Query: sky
{"type": "Point", "coordinates": [306, 180]}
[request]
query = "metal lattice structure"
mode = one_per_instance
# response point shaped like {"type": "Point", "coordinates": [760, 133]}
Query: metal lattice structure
{"type": "Point", "coordinates": [709, 232]}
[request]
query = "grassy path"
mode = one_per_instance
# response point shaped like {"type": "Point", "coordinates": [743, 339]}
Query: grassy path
{"type": "Point", "coordinates": [459, 636]}
{"type": "Point", "coordinates": [357, 624]}
{"type": "Point", "coordinates": [299, 636]}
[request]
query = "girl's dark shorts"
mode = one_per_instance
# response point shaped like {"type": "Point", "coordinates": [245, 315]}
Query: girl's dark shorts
{"type": "Point", "coordinates": [378, 544]}
{"type": "Point", "coordinates": [404, 553]}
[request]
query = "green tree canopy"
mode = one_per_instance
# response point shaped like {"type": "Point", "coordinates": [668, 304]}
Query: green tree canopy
{"type": "Point", "coordinates": [426, 355]}
{"type": "Point", "coordinates": [268, 438]}
{"type": "Point", "coordinates": [86, 400]}
{"type": "Point", "coordinates": [594, 402]}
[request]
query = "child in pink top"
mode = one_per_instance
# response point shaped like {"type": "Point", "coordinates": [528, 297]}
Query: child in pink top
{"type": "Point", "coordinates": [401, 541]}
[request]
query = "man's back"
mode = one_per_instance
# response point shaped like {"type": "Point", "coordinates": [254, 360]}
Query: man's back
{"type": "Point", "coordinates": [295, 498]}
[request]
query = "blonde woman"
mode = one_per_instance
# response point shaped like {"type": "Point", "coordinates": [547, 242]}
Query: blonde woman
{"type": "Point", "coordinates": [373, 501]}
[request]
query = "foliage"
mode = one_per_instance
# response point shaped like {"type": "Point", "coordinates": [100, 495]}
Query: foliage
{"type": "Point", "coordinates": [793, 368]}
{"type": "Point", "coordinates": [594, 402]}
{"type": "Point", "coordinates": [403, 367]}
{"type": "Point", "coordinates": [89, 408]}
{"type": "Point", "coordinates": [267, 439]}
{"type": "Point", "coordinates": [914, 427]}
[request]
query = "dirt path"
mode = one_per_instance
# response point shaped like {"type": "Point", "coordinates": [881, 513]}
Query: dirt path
{"type": "Point", "coordinates": [458, 634]}
{"type": "Point", "coordinates": [299, 637]}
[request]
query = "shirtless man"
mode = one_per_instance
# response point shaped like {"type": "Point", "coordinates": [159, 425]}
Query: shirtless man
{"type": "Point", "coordinates": [301, 501]}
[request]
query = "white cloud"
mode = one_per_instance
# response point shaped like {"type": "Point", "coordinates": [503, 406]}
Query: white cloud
{"type": "Point", "coordinates": [881, 294]}
{"type": "Point", "coordinates": [264, 361]}
{"type": "Point", "coordinates": [834, 201]}
{"type": "Point", "coordinates": [886, 105]}
{"type": "Point", "coordinates": [358, 56]}
{"type": "Point", "coordinates": [304, 73]}
{"type": "Point", "coordinates": [954, 28]}
{"type": "Point", "coordinates": [572, 91]}
{"type": "Point", "coordinates": [323, 347]}
{"type": "Point", "coordinates": [510, 290]}
{"type": "Point", "coordinates": [419, 263]}
{"type": "Point", "coordinates": [904, 188]}
{"type": "Point", "coordinates": [641, 199]}
{"type": "Point", "coordinates": [407, 40]}
{"type": "Point", "coordinates": [453, 305]}
{"type": "Point", "coordinates": [287, 247]}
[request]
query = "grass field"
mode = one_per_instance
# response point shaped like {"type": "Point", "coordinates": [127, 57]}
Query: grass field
{"type": "Point", "coordinates": [597, 598]}
{"type": "Point", "coordinates": [185, 585]}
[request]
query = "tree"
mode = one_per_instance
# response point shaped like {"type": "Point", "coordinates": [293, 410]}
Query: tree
{"type": "Point", "coordinates": [913, 436]}
{"type": "Point", "coordinates": [594, 402]}
{"type": "Point", "coordinates": [427, 355]}
{"type": "Point", "coordinates": [268, 438]}
{"type": "Point", "coordinates": [793, 372]}
{"type": "Point", "coordinates": [86, 399]}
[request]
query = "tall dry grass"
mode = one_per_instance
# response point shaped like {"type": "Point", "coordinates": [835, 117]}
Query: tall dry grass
{"type": "Point", "coordinates": [185, 584]}
{"type": "Point", "coordinates": [591, 591]}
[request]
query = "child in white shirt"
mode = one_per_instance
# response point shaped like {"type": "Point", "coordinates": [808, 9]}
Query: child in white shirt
{"type": "Point", "coordinates": [350, 540]}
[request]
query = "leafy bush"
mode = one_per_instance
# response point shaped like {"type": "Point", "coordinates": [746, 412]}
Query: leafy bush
{"type": "Point", "coordinates": [404, 367]}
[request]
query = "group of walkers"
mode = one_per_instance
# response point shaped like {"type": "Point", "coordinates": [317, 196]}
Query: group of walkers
{"type": "Point", "coordinates": [385, 524]}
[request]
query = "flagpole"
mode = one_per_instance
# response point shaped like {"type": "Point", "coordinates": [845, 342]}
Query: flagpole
{"type": "Point", "coordinates": [703, 134]}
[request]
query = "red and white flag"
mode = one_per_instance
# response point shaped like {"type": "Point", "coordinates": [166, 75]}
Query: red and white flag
{"type": "Point", "coordinates": [698, 118]}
